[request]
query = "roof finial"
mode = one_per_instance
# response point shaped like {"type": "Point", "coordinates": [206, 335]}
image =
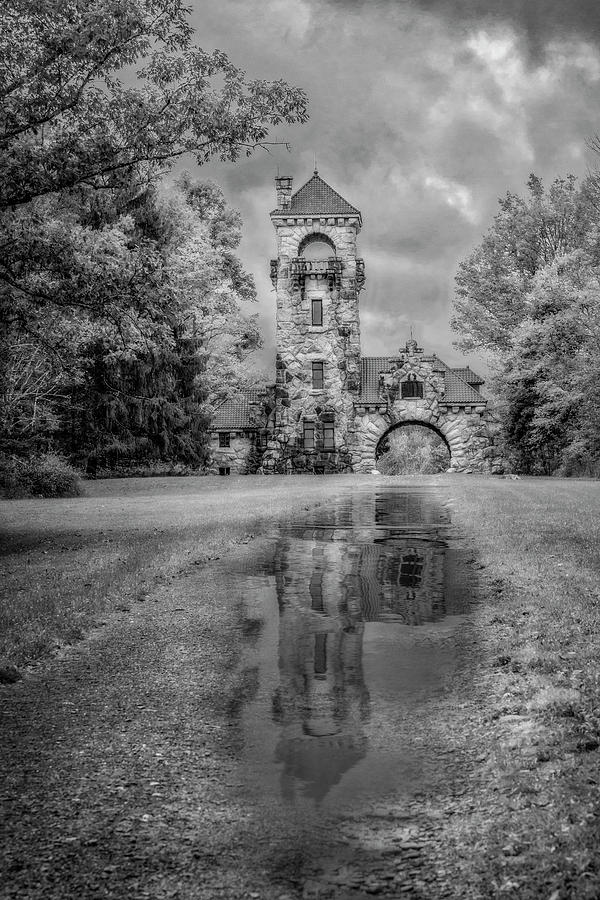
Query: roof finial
{"type": "Point", "coordinates": [316, 171]}
{"type": "Point", "coordinates": [411, 345]}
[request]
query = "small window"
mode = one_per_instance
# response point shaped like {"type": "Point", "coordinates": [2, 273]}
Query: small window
{"type": "Point", "coordinates": [328, 436]}
{"type": "Point", "coordinates": [411, 569]}
{"type": "Point", "coordinates": [317, 376]}
{"type": "Point", "coordinates": [224, 439]}
{"type": "Point", "coordinates": [309, 436]}
{"type": "Point", "coordinates": [317, 311]}
{"type": "Point", "coordinates": [412, 388]}
{"type": "Point", "coordinates": [320, 664]}
{"type": "Point", "coordinates": [224, 470]}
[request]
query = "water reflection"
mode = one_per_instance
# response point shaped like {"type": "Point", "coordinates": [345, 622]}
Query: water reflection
{"type": "Point", "coordinates": [353, 582]}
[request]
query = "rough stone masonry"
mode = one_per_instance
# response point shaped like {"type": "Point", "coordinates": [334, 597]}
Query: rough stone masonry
{"type": "Point", "coordinates": [331, 408]}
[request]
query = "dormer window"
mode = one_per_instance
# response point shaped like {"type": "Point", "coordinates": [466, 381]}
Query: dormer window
{"type": "Point", "coordinates": [411, 388]}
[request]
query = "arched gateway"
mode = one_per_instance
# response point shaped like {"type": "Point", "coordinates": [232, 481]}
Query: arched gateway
{"type": "Point", "coordinates": [331, 407]}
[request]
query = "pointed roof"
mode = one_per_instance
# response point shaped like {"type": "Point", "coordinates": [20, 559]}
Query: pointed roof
{"type": "Point", "coordinates": [317, 198]}
{"type": "Point", "coordinates": [457, 389]}
{"type": "Point", "coordinates": [467, 374]}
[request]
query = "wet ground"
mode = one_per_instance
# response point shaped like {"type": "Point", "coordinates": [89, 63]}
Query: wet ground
{"type": "Point", "coordinates": [349, 620]}
{"type": "Point", "coordinates": [290, 721]}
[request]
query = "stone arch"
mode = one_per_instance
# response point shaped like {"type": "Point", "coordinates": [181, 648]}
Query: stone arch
{"type": "Point", "coordinates": [397, 425]}
{"type": "Point", "coordinates": [316, 237]}
{"type": "Point", "coordinates": [373, 427]}
{"type": "Point", "coordinates": [291, 238]}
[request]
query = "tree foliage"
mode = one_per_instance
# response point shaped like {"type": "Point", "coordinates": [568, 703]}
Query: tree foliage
{"type": "Point", "coordinates": [527, 234]}
{"type": "Point", "coordinates": [529, 296]}
{"type": "Point", "coordinates": [414, 450]}
{"type": "Point", "coordinates": [69, 117]}
{"type": "Point", "coordinates": [136, 380]}
{"type": "Point", "coordinates": [120, 302]}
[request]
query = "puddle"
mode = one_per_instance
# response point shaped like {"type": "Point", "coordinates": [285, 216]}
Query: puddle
{"type": "Point", "coordinates": [350, 620]}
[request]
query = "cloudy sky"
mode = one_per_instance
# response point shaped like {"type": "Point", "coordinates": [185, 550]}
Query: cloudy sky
{"type": "Point", "coordinates": [422, 114]}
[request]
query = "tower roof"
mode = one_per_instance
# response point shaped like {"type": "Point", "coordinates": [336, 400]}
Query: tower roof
{"type": "Point", "coordinates": [317, 198]}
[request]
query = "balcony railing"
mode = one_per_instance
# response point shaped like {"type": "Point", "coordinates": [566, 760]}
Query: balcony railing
{"type": "Point", "coordinates": [301, 268]}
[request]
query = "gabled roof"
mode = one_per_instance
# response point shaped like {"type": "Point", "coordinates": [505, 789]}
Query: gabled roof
{"type": "Point", "coordinates": [467, 374]}
{"type": "Point", "coordinates": [370, 368]}
{"type": "Point", "coordinates": [456, 390]}
{"type": "Point", "coordinates": [317, 198]}
{"type": "Point", "coordinates": [239, 412]}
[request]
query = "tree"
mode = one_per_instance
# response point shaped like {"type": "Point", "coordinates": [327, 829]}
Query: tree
{"type": "Point", "coordinates": [96, 273]}
{"type": "Point", "coordinates": [68, 118]}
{"type": "Point", "coordinates": [528, 297]}
{"type": "Point", "coordinates": [549, 389]}
{"type": "Point", "coordinates": [527, 234]}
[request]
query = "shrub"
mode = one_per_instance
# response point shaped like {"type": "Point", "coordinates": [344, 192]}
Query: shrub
{"type": "Point", "coordinates": [45, 475]}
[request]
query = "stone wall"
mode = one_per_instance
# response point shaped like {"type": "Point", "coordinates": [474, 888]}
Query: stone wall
{"type": "Point", "coordinates": [236, 457]}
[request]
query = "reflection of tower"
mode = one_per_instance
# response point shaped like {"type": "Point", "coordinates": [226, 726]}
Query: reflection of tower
{"type": "Point", "coordinates": [322, 701]}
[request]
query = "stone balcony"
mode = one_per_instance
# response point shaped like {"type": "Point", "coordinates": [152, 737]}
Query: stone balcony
{"type": "Point", "coordinates": [301, 268]}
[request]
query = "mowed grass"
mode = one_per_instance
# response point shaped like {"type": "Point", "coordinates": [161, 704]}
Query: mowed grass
{"type": "Point", "coordinates": [534, 828]}
{"type": "Point", "coordinates": [66, 563]}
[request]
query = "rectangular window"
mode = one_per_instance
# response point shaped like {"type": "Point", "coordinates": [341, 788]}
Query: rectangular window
{"type": "Point", "coordinates": [328, 436]}
{"type": "Point", "coordinates": [224, 470]}
{"type": "Point", "coordinates": [317, 376]}
{"type": "Point", "coordinates": [320, 665]}
{"type": "Point", "coordinates": [412, 389]}
{"type": "Point", "coordinates": [317, 311]}
{"type": "Point", "coordinates": [224, 439]}
{"type": "Point", "coordinates": [309, 436]}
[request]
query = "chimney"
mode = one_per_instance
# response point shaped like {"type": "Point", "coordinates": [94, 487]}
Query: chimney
{"type": "Point", "coordinates": [283, 185]}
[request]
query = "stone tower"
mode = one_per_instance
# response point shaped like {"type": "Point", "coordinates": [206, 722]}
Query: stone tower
{"type": "Point", "coordinates": [317, 277]}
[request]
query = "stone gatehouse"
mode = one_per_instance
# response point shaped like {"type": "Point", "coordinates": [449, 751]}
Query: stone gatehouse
{"type": "Point", "coordinates": [331, 408]}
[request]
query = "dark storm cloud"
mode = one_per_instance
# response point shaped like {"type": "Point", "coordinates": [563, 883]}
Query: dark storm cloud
{"type": "Point", "coordinates": [538, 21]}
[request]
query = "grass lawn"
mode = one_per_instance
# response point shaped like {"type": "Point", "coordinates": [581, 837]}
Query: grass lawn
{"type": "Point", "coordinates": [538, 543]}
{"type": "Point", "coordinates": [66, 563]}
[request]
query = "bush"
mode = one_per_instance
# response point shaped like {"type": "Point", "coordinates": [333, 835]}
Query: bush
{"type": "Point", "coordinates": [46, 475]}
